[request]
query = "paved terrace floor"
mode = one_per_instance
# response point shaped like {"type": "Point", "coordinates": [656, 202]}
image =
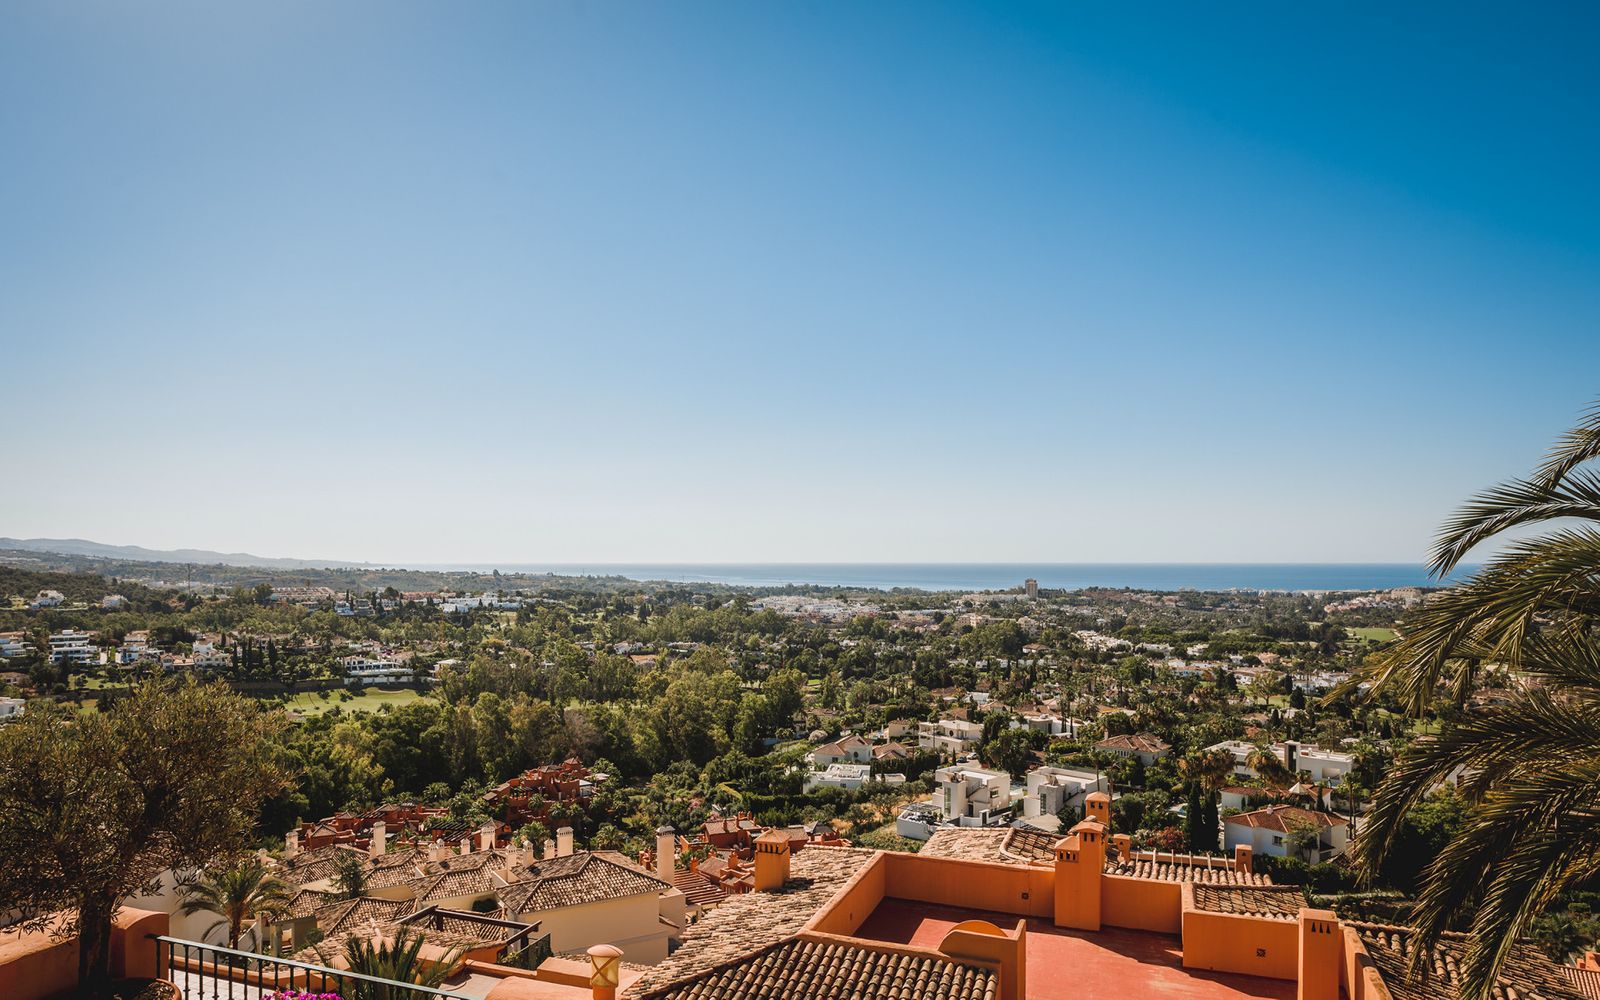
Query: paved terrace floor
{"type": "Point", "coordinates": [1080, 965]}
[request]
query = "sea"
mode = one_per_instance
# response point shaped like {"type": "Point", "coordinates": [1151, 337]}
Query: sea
{"type": "Point", "coordinates": [1002, 576]}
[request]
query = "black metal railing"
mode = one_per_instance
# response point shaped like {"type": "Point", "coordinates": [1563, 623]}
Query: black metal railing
{"type": "Point", "coordinates": [212, 972]}
{"type": "Point", "coordinates": [537, 950]}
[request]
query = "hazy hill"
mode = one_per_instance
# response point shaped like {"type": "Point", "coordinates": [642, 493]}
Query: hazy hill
{"type": "Point", "coordinates": [138, 553]}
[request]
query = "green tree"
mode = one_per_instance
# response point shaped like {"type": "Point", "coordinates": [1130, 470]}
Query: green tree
{"type": "Point", "coordinates": [238, 893]}
{"type": "Point", "coordinates": [398, 959]}
{"type": "Point", "coordinates": [173, 776]}
{"type": "Point", "coordinates": [350, 875]}
{"type": "Point", "coordinates": [1530, 833]}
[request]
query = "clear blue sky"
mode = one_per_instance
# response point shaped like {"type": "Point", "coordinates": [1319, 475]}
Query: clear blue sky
{"type": "Point", "coordinates": [573, 281]}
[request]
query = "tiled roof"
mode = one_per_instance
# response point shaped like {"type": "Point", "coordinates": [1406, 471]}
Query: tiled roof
{"type": "Point", "coordinates": [807, 970]}
{"type": "Point", "coordinates": [579, 878]}
{"type": "Point", "coordinates": [1034, 845]}
{"type": "Point", "coordinates": [306, 901]}
{"type": "Point", "coordinates": [750, 922]}
{"type": "Point", "coordinates": [1182, 868]}
{"type": "Point", "coordinates": [697, 888]}
{"type": "Point", "coordinates": [318, 864]}
{"type": "Point", "coordinates": [1279, 817]}
{"type": "Point", "coordinates": [1003, 845]}
{"type": "Point", "coordinates": [360, 914]}
{"type": "Point", "coordinates": [1275, 901]}
{"type": "Point", "coordinates": [1528, 974]}
{"type": "Point", "coordinates": [1138, 743]}
{"type": "Point", "coordinates": [977, 844]}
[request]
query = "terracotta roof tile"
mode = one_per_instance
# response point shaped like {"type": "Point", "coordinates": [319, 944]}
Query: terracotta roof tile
{"type": "Point", "coordinates": [1528, 974]}
{"type": "Point", "coordinates": [808, 970]}
{"type": "Point", "coordinates": [580, 878]}
{"type": "Point", "coordinates": [1279, 902]}
{"type": "Point", "coordinates": [750, 922]}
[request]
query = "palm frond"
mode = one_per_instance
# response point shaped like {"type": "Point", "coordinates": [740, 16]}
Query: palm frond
{"type": "Point", "coordinates": [1572, 449]}
{"type": "Point", "coordinates": [1510, 505]}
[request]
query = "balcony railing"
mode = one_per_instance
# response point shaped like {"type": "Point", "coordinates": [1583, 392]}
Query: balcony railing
{"type": "Point", "coordinates": [212, 972]}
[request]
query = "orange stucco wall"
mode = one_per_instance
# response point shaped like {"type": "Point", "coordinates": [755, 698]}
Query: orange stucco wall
{"type": "Point", "coordinates": [1006, 949]}
{"type": "Point", "coordinates": [1014, 889]}
{"type": "Point", "coordinates": [855, 902]}
{"type": "Point", "coordinates": [1141, 904]}
{"type": "Point", "coordinates": [1226, 942]}
{"type": "Point", "coordinates": [35, 964]}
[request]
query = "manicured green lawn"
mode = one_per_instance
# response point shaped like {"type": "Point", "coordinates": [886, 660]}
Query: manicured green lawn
{"type": "Point", "coordinates": [313, 703]}
{"type": "Point", "coordinates": [1374, 634]}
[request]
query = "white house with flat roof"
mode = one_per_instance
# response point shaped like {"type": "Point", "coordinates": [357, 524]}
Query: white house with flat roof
{"type": "Point", "coordinates": [949, 736]}
{"type": "Point", "coordinates": [11, 708]}
{"type": "Point", "coordinates": [1051, 789]}
{"type": "Point", "coordinates": [1325, 766]}
{"type": "Point", "coordinates": [972, 796]}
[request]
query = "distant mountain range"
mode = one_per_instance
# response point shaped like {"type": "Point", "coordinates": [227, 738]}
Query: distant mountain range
{"type": "Point", "coordinates": [138, 553]}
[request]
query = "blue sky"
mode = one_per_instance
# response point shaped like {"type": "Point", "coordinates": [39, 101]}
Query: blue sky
{"type": "Point", "coordinates": [534, 282]}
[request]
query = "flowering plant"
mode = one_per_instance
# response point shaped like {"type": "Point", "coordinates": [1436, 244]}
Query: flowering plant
{"type": "Point", "coordinates": [300, 995]}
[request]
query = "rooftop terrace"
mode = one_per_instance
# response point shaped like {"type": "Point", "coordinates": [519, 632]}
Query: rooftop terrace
{"type": "Point", "coordinates": [1104, 964]}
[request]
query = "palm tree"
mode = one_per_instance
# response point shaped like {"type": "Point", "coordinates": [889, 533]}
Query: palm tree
{"type": "Point", "coordinates": [398, 959]}
{"type": "Point", "coordinates": [238, 894]}
{"type": "Point", "coordinates": [1533, 765]}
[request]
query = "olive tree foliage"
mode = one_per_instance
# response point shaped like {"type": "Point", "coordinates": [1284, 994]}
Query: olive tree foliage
{"type": "Point", "coordinates": [95, 807]}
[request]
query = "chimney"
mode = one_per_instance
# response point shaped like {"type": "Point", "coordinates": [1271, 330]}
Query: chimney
{"type": "Point", "coordinates": [1080, 863]}
{"type": "Point", "coordinates": [772, 860]}
{"type": "Point", "coordinates": [466, 844]}
{"type": "Point", "coordinates": [438, 851]}
{"type": "Point", "coordinates": [564, 842]}
{"type": "Point", "coordinates": [1097, 806]}
{"type": "Point", "coordinates": [486, 834]}
{"type": "Point", "coordinates": [1243, 858]}
{"type": "Point", "coordinates": [1321, 955]}
{"type": "Point", "coordinates": [605, 971]}
{"type": "Point", "coordinates": [666, 852]}
{"type": "Point", "coordinates": [1123, 845]}
{"type": "Point", "coordinates": [549, 849]}
{"type": "Point", "coordinates": [380, 839]}
{"type": "Point", "coordinates": [291, 844]}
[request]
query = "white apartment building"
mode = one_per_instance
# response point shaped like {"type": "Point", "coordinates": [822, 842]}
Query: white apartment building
{"type": "Point", "coordinates": [1050, 789]}
{"type": "Point", "coordinates": [72, 647]}
{"type": "Point", "coordinates": [849, 777]}
{"type": "Point", "coordinates": [47, 599]}
{"type": "Point", "coordinates": [135, 647]}
{"type": "Point", "coordinates": [375, 670]}
{"type": "Point", "coordinates": [14, 644]}
{"type": "Point", "coordinates": [1326, 766]}
{"type": "Point", "coordinates": [972, 796]}
{"type": "Point", "coordinates": [954, 737]}
{"type": "Point", "coordinates": [11, 708]}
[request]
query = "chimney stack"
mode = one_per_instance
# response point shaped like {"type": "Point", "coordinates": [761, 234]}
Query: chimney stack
{"type": "Point", "coordinates": [549, 849]}
{"type": "Point", "coordinates": [438, 851]}
{"type": "Point", "coordinates": [1123, 844]}
{"type": "Point", "coordinates": [1321, 955]}
{"type": "Point", "coordinates": [291, 844]}
{"type": "Point", "coordinates": [1097, 806]}
{"type": "Point", "coordinates": [466, 844]}
{"type": "Point", "coordinates": [564, 842]}
{"type": "Point", "coordinates": [605, 971]}
{"type": "Point", "coordinates": [666, 852]}
{"type": "Point", "coordinates": [486, 834]}
{"type": "Point", "coordinates": [1244, 858]}
{"type": "Point", "coordinates": [379, 839]}
{"type": "Point", "coordinates": [772, 860]}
